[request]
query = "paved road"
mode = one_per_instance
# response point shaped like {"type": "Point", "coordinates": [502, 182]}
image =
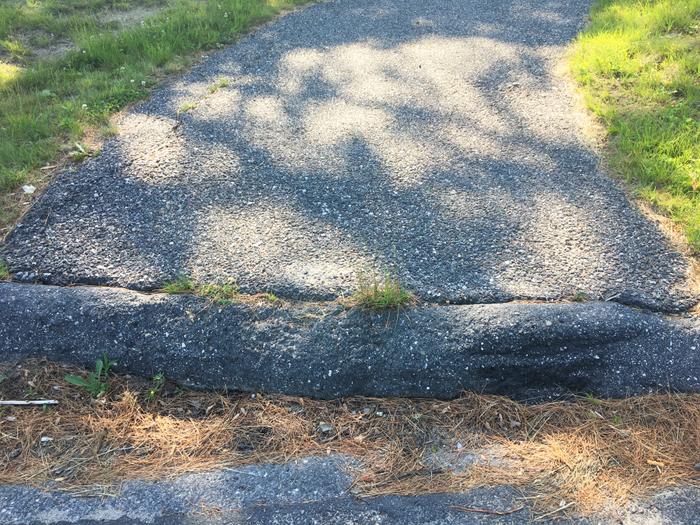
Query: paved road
{"type": "Point", "coordinates": [434, 139]}
{"type": "Point", "coordinates": [314, 491]}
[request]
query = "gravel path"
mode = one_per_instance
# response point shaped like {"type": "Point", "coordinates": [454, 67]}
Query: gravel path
{"type": "Point", "coordinates": [434, 139]}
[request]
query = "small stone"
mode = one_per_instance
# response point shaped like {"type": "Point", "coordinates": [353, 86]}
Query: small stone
{"type": "Point", "coordinates": [325, 427]}
{"type": "Point", "coordinates": [46, 439]}
{"type": "Point", "coordinates": [697, 466]}
{"type": "Point", "coordinates": [28, 189]}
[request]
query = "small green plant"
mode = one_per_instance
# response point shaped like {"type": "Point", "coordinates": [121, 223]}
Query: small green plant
{"type": "Point", "coordinates": [183, 284]}
{"type": "Point", "coordinates": [187, 106]}
{"type": "Point", "coordinates": [95, 383]}
{"type": "Point", "coordinates": [158, 382]}
{"type": "Point", "coordinates": [80, 152]}
{"type": "Point", "coordinates": [270, 297]}
{"type": "Point", "coordinates": [593, 400]}
{"type": "Point", "coordinates": [580, 297]}
{"type": "Point", "coordinates": [223, 294]}
{"type": "Point", "coordinates": [4, 271]}
{"type": "Point", "coordinates": [381, 293]}
{"type": "Point", "coordinates": [219, 84]}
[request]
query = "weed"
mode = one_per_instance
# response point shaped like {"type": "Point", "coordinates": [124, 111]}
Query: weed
{"type": "Point", "coordinates": [158, 382]}
{"type": "Point", "coordinates": [4, 271]}
{"type": "Point", "coordinates": [219, 84]}
{"type": "Point", "coordinates": [270, 297]}
{"type": "Point", "coordinates": [183, 284]}
{"type": "Point", "coordinates": [593, 400]}
{"type": "Point", "coordinates": [187, 106]}
{"type": "Point", "coordinates": [580, 297]}
{"type": "Point", "coordinates": [95, 383]}
{"type": "Point", "coordinates": [381, 293]}
{"type": "Point", "coordinates": [80, 153]}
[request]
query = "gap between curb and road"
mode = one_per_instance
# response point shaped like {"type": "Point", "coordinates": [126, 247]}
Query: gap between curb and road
{"type": "Point", "coordinates": [527, 351]}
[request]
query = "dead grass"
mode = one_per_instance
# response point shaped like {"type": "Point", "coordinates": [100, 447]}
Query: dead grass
{"type": "Point", "coordinates": [592, 454]}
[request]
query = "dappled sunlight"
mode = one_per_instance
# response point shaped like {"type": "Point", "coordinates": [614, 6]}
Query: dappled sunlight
{"type": "Point", "coordinates": [443, 149]}
{"type": "Point", "coordinates": [9, 73]}
{"type": "Point", "coordinates": [145, 159]}
{"type": "Point", "coordinates": [219, 104]}
{"type": "Point", "coordinates": [271, 245]}
{"type": "Point", "coordinates": [549, 237]}
{"type": "Point", "coordinates": [372, 93]}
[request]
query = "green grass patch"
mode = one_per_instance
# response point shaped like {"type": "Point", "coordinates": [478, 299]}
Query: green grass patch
{"type": "Point", "coordinates": [4, 271]}
{"type": "Point", "coordinates": [219, 84]}
{"type": "Point", "coordinates": [638, 63]}
{"type": "Point", "coordinates": [187, 106]}
{"type": "Point", "coordinates": [182, 284]}
{"type": "Point", "coordinates": [221, 293]}
{"type": "Point", "coordinates": [48, 104]}
{"type": "Point", "coordinates": [381, 293]}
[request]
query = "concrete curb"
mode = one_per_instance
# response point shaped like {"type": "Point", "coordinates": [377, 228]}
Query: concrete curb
{"type": "Point", "coordinates": [522, 350]}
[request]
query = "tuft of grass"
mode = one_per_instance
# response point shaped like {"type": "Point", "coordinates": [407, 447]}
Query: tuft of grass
{"type": "Point", "coordinates": [219, 84]}
{"type": "Point", "coordinates": [638, 64]}
{"type": "Point", "coordinates": [157, 384]}
{"type": "Point", "coordinates": [4, 271]}
{"type": "Point", "coordinates": [48, 103]}
{"type": "Point", "coordinates": [270, 297]}
{"type": "Point", "coordinates": [183, 284]}
{"type": "Point", "coordinates": [223, 294]}
{"type": "Point", "coordinates": [187, 106]}
{"type": "Point", "coordinates": [381, 293]}
{"type": "Point", "coordinates": [580, 297]}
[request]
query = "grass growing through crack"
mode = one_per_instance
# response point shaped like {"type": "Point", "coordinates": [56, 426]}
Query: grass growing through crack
{"type": "Point", "coordinates": [591, 454]}
{"type": "Point", "coordinates": [638, 63]}
{"type": "Point", "coordinates": [4, 271]}
{"type": "Point", "coordinates": [381, 293]}
{"type": "Point", "coordinates": [221, 293]}
{"type": "Point", "coordinates": [47, 104]}
{"type": "Point", "coordinates": [183, 284]}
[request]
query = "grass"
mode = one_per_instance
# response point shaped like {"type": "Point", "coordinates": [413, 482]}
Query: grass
{"type": "Point", "coordinates": [182, 285]}
{"type": "Point", "coordinates": [187, 106]}
{"type": "Point", "coordinates": [593, 455]}
{"type": "Point", "coordinates": [219, 84]}
{"type": "Point", "coordinates": [638, 63]}
{"type": "Point", "coordinates": [221, 293]}
{"type": "Point", "coordinates": [48, 104]}
{"type": "Point", "coordinates": [4, 271]}
{"type": "Point", "coordinates": [381, 293]}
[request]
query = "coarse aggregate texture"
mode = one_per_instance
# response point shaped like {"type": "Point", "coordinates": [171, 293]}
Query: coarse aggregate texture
{"type": "Point", "coordinates": [523, 350]}
{"type": "Point", "coordinates": [309, 491]}
{"type": "Point", "coordinates": [438, 141]}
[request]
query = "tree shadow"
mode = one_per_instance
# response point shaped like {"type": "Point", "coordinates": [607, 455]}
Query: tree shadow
{"type": "Point", "coordinates": [368, 136]}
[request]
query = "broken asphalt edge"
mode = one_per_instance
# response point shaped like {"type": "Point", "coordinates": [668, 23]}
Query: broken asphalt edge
{"type": "Point", "coordinates": [526, 351]}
